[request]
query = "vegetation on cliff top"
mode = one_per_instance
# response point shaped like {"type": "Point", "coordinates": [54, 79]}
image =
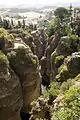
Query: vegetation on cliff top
{"type": "Point", "coordinates": [3, 59]}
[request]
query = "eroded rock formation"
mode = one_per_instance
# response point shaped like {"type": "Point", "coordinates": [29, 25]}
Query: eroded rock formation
{"type": "Point", "coordinates": [10, 92]}
{"type": "Point", "coordinates": [40, 40]}
{"type": "Point", "coordinates": [26, 66]}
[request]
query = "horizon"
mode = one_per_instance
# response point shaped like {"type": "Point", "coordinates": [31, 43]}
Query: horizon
{"type": "Point", "coordinates": [35, 3]}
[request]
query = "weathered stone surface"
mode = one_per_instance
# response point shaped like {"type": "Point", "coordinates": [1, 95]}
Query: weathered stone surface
{"type": "Point", "coordinates": [40, 109]}
{"type": "Point", "coordinates": [66, 46]}
{"type": "Point", "coordinates": [30, 42]}
{"type": "Point", "coordinates": [73, 63]}
{"type": "Point", "coordinates": [45, 71]}
{"type": "Point", "coordinates": [52, 44]}
{"type": "Point", "coordinates": [25, 65]}
{"type": "Point", "coordinates": [40, 40]}
{"type": "Point", "coordinates": [43, 63]}
{"type": "Point", "coordinates": [56, 62]}
{"type": "Point", "coordinates": [70, 68]}
{"type": "Point", "coordinates": [6, 40]}
{"type": "Point", "coordinates": [10, 92]}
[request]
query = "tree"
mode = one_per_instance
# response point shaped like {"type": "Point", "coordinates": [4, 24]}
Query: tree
{"type": "Point", "coordinates": [19, 24]}
{"type": "Point", "coordinates": [58, 29]}
{"type": "Point", "coordinates": [23, 23]}
{"type": "Point", "coordinates": [70, 10]}
{"type": "Point", "coordinates": [54, 27]}
{"type": "Point", "coordinates": [61, 12]}
{"type": "Point", "coordinates": [1, 22]}
{"type": "Point", "coordinates": [12, 23]}
{"type": "Point", "coordinates": [6, 23]}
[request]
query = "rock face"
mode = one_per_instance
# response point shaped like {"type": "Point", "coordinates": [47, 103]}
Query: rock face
{"type": "Point", "coordinates": [40, 40]}
{"type": "Point", "coordinates": [25, 65]}
{"type": "Point", "coordinates": [30, 42]}
{"type": "Point", "coordinates": [70, 68]}
{"type": "Point", "coordinates": [40, 109]}
{"type": "Point", "coordinates": [10, 92]}
{"type": "Point", "coordinates": [66, 46]}
{"type": "Point", "coordinates": [6, 40]}
{"type": "Point", "coordinates": [44, 71]}
{"type": "Point", "coordinates": [55, 53]}
{"type": "Point", "coordinates": [45, 62]}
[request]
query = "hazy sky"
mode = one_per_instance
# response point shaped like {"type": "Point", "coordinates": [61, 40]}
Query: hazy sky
{"type": "Point", "coordinates": [35, 2]}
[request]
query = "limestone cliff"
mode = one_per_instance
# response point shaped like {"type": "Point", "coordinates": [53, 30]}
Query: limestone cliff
{"type": "Point", "coordinates": [10, 92]}
{"type": "Point", "coordinates": [26, 66]}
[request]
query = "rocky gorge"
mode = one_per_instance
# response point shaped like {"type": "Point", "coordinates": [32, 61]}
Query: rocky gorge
{"type": "Point", "coordinates": [31, 59]}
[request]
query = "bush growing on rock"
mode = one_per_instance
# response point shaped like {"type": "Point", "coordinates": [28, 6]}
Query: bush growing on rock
{"type": "Point", "coordinates": [63, 74]}
{"type": "Point", "coordinates": [6, 40]}
{"type": "Point", "coordinates": [71, 108]}
{"type": "Point", "coordinates": [23, 57]}
{"type": "Point", "coordinates": [3, 31]}
{"type": "Point", "coordinates": [70, 68]}
{"type": "Point", "coordinates": [11, 36]}
{"type": "Point", "coordinates": [3, 60]}
{"type": "Point", "coordinates": [68, 45]}
{"type": "Point", "coordinates": [66, 85]}
{"type": "Point", "coordinates": [53, 90]}
{"type": "Point", "coordinates": [25, 33]}
{"type": "Point", "coordinates": [59, 59]}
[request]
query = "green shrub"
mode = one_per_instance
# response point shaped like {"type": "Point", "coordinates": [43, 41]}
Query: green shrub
{"type": "Point", "coordinates": [25, 33]}
{"type": "Point", "coordinates": [34, 61]}
{"type": "Point", "coordinates": [58, 59]}
{"type": "Point", "coordinates": [1, 37]}
{"type": "Point", "coordinates": [3, 31]}
{"type": "Point", "coordinates": [66, 85]}
{"type": "Point", "coordinates": [71, 95]}
{"type": "Point", "coordinates": [71, 108]}
{"type": "Point", "coordinates": [63, 114]}
{"type": "Point", "coordinates": [63, 74]}
{"type": "Point", "coordinates": [23, 57]}
{"type": "Point", "coordinates": [59, 29]}
{"type": "Point", "coordinates": [15, 35]}
{"type": "Point", "coordinates": [54, 89]}
{"type": "Point", "coordinates": [3, 59]}
{"type": "Point", "coordinates": [11, 36]}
